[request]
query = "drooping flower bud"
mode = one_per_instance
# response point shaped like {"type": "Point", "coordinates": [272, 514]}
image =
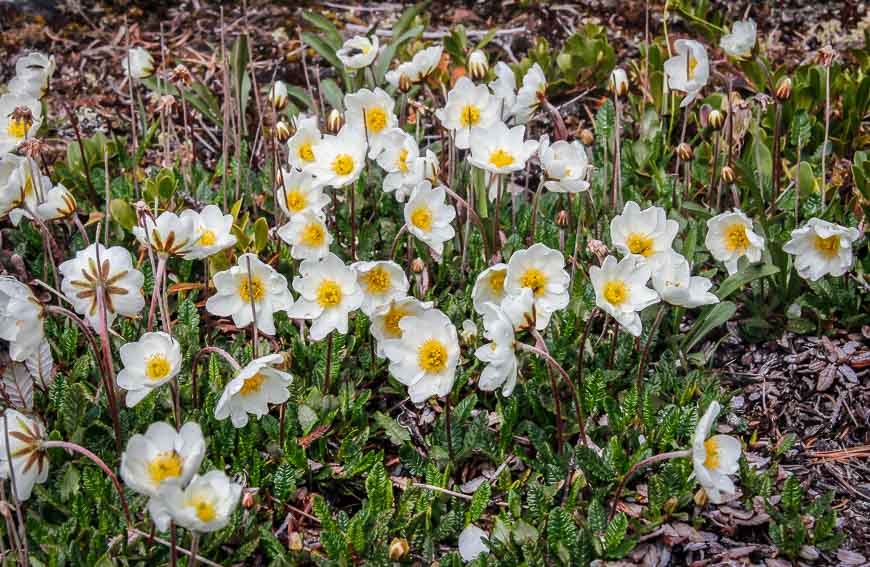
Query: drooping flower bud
{"type": "Point", "coordinates": [562, 218]}
{"type": "Point", "coordinates": [783, 89]}
{"type": "Point", "coordinates": [477, 65]}
{"type": "Point", "coordinates": [398, 548]}
{"type": "Point", "coordinates": [587, 137]}
{"type": "Point", "coordinates": [685, 152]}
{"type": "Point", "coordinates": [728, 174]}
{"type": "Point", "coordinates": [283, 131]}
{"type": "Point", "coordinates": [334, 121]}
{"type": "Point", "coordinates": [278, 95]}
{"type": "Point", "coordinates": [405, 83]}
{"type": "Point", "coordinates": [619, 82]}
{"type": "Point", "coordinates": [417, 265]}
{"type": "Point", "coordinates": [716, 119]}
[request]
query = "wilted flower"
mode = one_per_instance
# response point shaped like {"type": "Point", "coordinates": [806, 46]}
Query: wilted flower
{"type": "Point", "coordinates": [469, 109]}
{"type": "Point", "coordinates": [428, 216]}
{"type": "Point", "coordinates": [21, 317]}
{"type": "Point", "coordinates": [103, 274]}
{"type": "Point", "coordinates": [740, 42]}
{"type": "Point", "coordinates": [150, 362]}
{"type": "Point", "coordinates": [371, 112]}
{"type": "Point", "coordinates": [339, 159]}
{"type": "Point", "coordinates": [477, 65]}
{"type": "Point", "coordinates": [205, 505]}
{"type": "Point", "coordinates": [673, 280]}
{"type": "Point", "coordinates": [59, 204]}
{"type": "Point", "coordinates": [714, 458]}
{"type": "Point", "coordinates": [499, 354]}
{"type": "Point", "coordinates": [620, 290]}
{"type": "Point", "coordinates": [425, 357]}
{"type": "Point", "coordinates": [542, 270]}
{"type": "Point", "coordinates": [422, 64]}
{"type": "Point", "coordinates": [32, 75]}
{"type": "Point", "coordinates": [642, 232]}
{"type": "Point", "coordinates": [297, 193]}
{"type": "Point", "coordinates": [398, 548]}
{"type": "Point", "coordinates": [358, 52]}
{"type": "Point", "coordinates": [278, 96]}
{"type": "Point", "coordinates": [821, 248]}
{"type": "Point", "coordinates": [472, 543]}
{"type": "Point", "coordinates": [138, 63]}
{"type": "Point", "coordinates": [20, 119]}
{"type": "Point", "coordinates": [499, 149]}
{"type": "Point", "coordinates": [618, 82]}
{"type": "Point", "coordinates": [402, 162]}
{"type": "Point", "coordinates": [386, 318]}
{"type": "Point", "coordinates": [252, 389]}
{"type": "Point", "coordinates": [300, 147]}
{"type": "Point", "coordinates": [29, 462]}
{"type": "Point", "coordinates": [170, 235]}
{"type": "Point", "coordinates": [237, 288]}
{"type": "Point", "coordinates": [689, 70]}
{"type": "Point", "coordinates": [328, 294]}
{"type": "Point", "coordinates": [530, 95]}
{"type": "Point", "coordinates": [307, 235]}
{"type": "Point", "coordinates": [212, 232]}
{"type": "Point", "coordinates": [489, 287]}
{"type": "Point", "coordinates": [565, 165]}
{"type": "Point", "coordinates": [381, 282]}
{"type": "Point", "coordinates": [730, 237]}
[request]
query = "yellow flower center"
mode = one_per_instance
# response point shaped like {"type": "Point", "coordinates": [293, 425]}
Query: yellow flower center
{"type": "Point", "coordinates": [259, 290]}
{"type": "Point", "coordinates": [828, 247]}
{"type": "Point", "coordinates": [402, 162]}
{"type": "Point", "coordinates": [433, 356]}
{"type": "Point", "coordinates": [690, 67]}
{"type": "Point", "coordinates": [296, 200]}
{"type": "Point", "coordinates": [205, 510]}
{"type": "Point", "coordinates": [534, 279]}
{"type": "Point", "coordinates": [377, 280]}
{"type": "Point", "coordinates": [392, 318]}
{"type": "Point", "coordinates": [500, 158]}
{"type": "Point", "coordinates": [207, 238]}
{"type": "Point", "coordinates": [18, 128]}
{"type": "Point", "coordinates": [376, 119]}
{"type": "Point", "coordinates": [313, 235]}
{"type": "Point", "coordinates": [329, 294]}
{"type": "Point", "coordinates": [157, 367]}
{"type": "Point", "coordinates": [639, 244]}
{"type": "Point", "coordinates": [253, 384]}
{"type": "Point", "coordinates": [342, 164]}
{"type": "Point", "coordinates": [167, 464]}
{"type": "Point", "coordinates": [421, 217]}
{"type": "Point", "coordinates": [616, 292]}
{"type": "Point", "coordinates": [712, 448]}
{"type": "Point", "coordinates": [305, 152]}
{"type": "Point", "coordinates": [736, 239]}
{"type": "Point", "coordinates": [470, 116]}
{"type": "Point", "coordinates": [496, 282]}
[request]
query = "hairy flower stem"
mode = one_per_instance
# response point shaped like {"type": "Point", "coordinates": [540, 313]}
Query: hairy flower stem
{"type": "Point", "coordinates": [254, 327]}
{"type": "Point", "coordinates": [616, 192]}
{"type": "Point", "coordinates": [447, 412]}
{"type": "Point", "coordinates": [327, 375]}
{"type": "Point", "coordinates": [646, 462]}
{"type": "Point", "coordinates": [22, 527]}
{"type": "Point", "coordinates": [714, 176]}
{"type": "Point", "coordinates": [777, 150]}
{"type": "Point", "coordinates": [89, 336]}
{"type": "Point", "coordinates": [93, 196]}
{"type": "Point", "coordinates": [642, 364]}
{"type": "Point", "coordinates": [827, 132]}
{"type": "Point", "coordinates": [473, 215]}
{"type": "Point", "coordinates": [100, 463]}
{"type": "Point", "coordinates": [194, 548]}
{"type": "Point", "coordinates": [536, 203]}
{"type": "Point", "coordinates": [395, 247]}
{"type": "Point", "coordinates": [155, 294]}
{"type": "Point", "coordinates": [14, 544]}
{"type": "Point", "coordinates": [674, 203]}
{"type": "Point", "coordinates": [195, 364]}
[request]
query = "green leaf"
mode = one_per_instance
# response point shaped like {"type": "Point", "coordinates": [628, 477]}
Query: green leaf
{"type": "Point", "coordinates": [331, 34]}
{"type": "Point", "coordinates": [614, 533]}
{"type": "Point", "coordinates": [379, 489]}
{"type": "Point", "coordinates": [325, 50]}
{"type": "Point", "coordinates": [395, 432]}
{"type": "Point", "coordinates": [332, 94]}
{"type": "Point", "coordinates": [709, 319]}
{"type": "Point", "coordinates": [479, 502]}
{"type": "Point", "coordinates": [750, 273]}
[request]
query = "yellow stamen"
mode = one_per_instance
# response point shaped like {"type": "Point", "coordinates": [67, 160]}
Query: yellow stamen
{"type": "Point", "coordinates": [534, 279]}
{"type": "Point", "coordinates": [205, 510]}
{"type": "Point", "coordinates": [735, 238]}
{"type": "Point", "coordinates": [157, 367]}
{"type": "Point", "coordinates": [470, 116]}
{"type": "Point", "coordinates": [402, 162]}
{"type": "Point", "coordinates": [18, 128]}
{"type": "Point", "coordinates": [500, 158]}
{"type": "Point", "coordinates": [421, 217]}
{"type": "Point", "coordinates": [828, 247]}
{"type": "Point", "coordinates": [167, 464]}
{"type": "Point", "coordinates": [207, 238]}
{"type": "Point", "coordinates": [329, 294]}
{"type": "Point", "coordinates": [616, 292]}
{"type": "Point", "coordinates": [342, 164]}
{"type": "Point", "coordinates": [377, 280]}
{"type": "Point", "coordinates": [639, 244]}
{"type": "Point", "coordinates": [245, 292]}
{"type": "Point", "coordinates": [313, 235]}
{"type": "Point", "coordinates": [296, 200]}
{"type": "Point", "coordinates": [433, 356]}
{"type": "Point", "coordinates": [376, 119]}
{"type": "Point", "coordinates": [690, 67]}
{"type": "Point", "coordinates": [253, 384]}
{"type": "Point", "coordinates": [496, 282]}
{"type": "Point", "coordinates": [392, 318]}
{"type": "Point", "coordinates": [305, 152]}
{"type": "Point", "coordinates": [712, 448]}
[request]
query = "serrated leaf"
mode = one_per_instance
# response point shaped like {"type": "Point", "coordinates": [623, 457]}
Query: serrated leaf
{"type": "Point", "coordinates": [479, 502]}
{"type": "Point", "coordinates": [396, 433]}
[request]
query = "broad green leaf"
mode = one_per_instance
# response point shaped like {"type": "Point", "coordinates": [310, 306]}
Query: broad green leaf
{"type": "Point", "coordinates": [750, 273]}
{"type": "Point", "coordinates": [710, 319]}
{"type": "Point", "coordinates": [331, 34]}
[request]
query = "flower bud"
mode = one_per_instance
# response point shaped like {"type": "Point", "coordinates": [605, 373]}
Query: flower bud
{"type": "Point", "coordinates": [468, 333]}
{"type": "Point", "coordinates": [477, 65]}
{"type": "Point", "coordinates": [562, 218]}
{"type": "Point", "coordinates": [684, 151]}
{"type": "Point", "coordinates": [598, 248]}
{"type": "Point", "coordinates": [417, 266]}
{"type": "Point", "coordinates": [278, 95]}
{"type": "Point", "coordinates": [334, 121]}
{"type": "Point", "coordinates": [728, 174]}
{"type": "Point", "coordinates": [405, 83]}
{"type": "Point", "coordinates": [783, 89]}
{"type": "Point", "coordinates": [248, 500]}
{"type": "Point", "coordinates": [587, 137]}
{"type": "Point", "coordinates": [619, 82]}
{"type": "Point", "coordinates": [181, 75]}
{"type": "Point", "coordinates": [294, 541]}
{"type": "Point", "coordinates": [283, 131]}
{"type": "Point", "coordinates": [398, 548]}
{"type": "Point", "coordinates": [716, 119]}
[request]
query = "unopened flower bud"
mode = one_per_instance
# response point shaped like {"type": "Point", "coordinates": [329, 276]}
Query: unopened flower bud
{"type": "Point", "coordinates": [398, 548]}
{"type": "Point", "coordinates": [619, 82]}
{"type": "Point", "coordinates": [417, 265]}
{"type": "Point", "coordinates": [468, 332]}
{"type": "Point", "coordinates": [728, 174]}
{"type": "Point", "coordinates": [701, 497]}
{"type": "Point", "coordinates": [477, 65]}
{"type": "Point", "coordinates": [278, 95]}
{"type": "Point", "coordinates": [684, 151]}
{"type": "Point", "coordinates": [181, 75]}
{"type": "Point", "coordinates": [587, 137]}
{"type": "Point", "coordinates": [716, 119]}
{"type": "Point", "coordinates": [783, 89]}
{"type": "Point", "coordinates": [598, 248]}
{"type": "Point", "coordinates": [562, 218]}
{"type": "Point", "coordinates": [283, 131]}
{"type": "Point", "coordinates": [826, 55]}
{"type": "Point", "coordinates": [248, 500]}
{"type": "Point", "coordinates": [334, 121]}
{"type": "Point", "coordinates": [405, 83]}
{"type": "Point", "coordinates": [294, 541]}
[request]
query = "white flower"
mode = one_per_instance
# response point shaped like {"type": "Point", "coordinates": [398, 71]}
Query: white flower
{"type": "Point", "coordinates": [401, 160]}
{"type": "Point", "coordinates": [32, 75]}
{"type": "Point", "coordinates": [542, 270]}
{"type": "Point", "coordinates": [530, 95]}
{"type": "Point", "coordinates": [299, 193]}
{"type": "Point", "coordinates": [205, 505]}
{"type": "Point", "coordinates": [498, 149]}
{"type": "Point", "coordinates": [642, 233]}
{"type": "Point", "coordinates": [715, 458]}
{"type": "Point", "coordinates": [504, 88]}
{"type": "Point", "coordinates": [255, 386]}
{"type": "Point", "coordinates": [109, 272]}
{"type": "Point", "coordinates": [162, 456]}
{"type": "Point", "coordinates": [300, 146]}
{"type": "Point", "coordinates": [565, 164]}
{"type": "Point", "coordinates": [358, 52]}
{"type": "Point", "coordinates": [237, 289]}
{"type": "Point", "coordinates": [618, 82]}
{"type": "Point", "coordinates": [689, 70]}
{"type": "Point", "coordinates": [821, 248]}
{"type": "Point", "coordinates": [170, 235]}
{"type": "Point", "coordinates": [673, 280]}
{"type": "Point", "coordinates": [20, 319]}
{"type": "Point", "coordinates": [422, 64]}
{"type": "Point", "coordinates": [29, 461]}
{"type": "Point", "coordinates": [620, 290]}
{"type": "Point", "coordinates": [14, 127]}
{"type": "Point", "coordinates": [425, 358]}
{"type": "Point", "coordinates": [431, 169]}
{"type": "Point", "coordinates": [468, 332]}
{"type": "Point", "coordinates": [469, 108]}
{"type": "Point", "coordinates": [386, 318]}
{"type": "Point", "coordinates": [499, 353]}
{"type": "Point", "coordinates": [428, 216]}
{"type": "Point", "coordinates": [59, 204]}
{"type": "Point", "coordinates": [477, 64]}
{"type": "Point", "coordinates": [328, 292]}
{"type": "Point", "coordinates": [520, 309]}
{"type": "Point", "coordinates": [381, 282]}
{"type": "Point", "coordinates": [26, 188]}
{"type": "Point", "coordinates": [307, 235]}
{"type": "Point", "coordinates": [472, 543]}
{"type": "Point", "coordinates": [138, 63]}
{"type": "Point", "coordinates": [278, 95]}
{"type": "Point", "coordinates": [730, 236]}
{"type": "Point", "coordinates": [489, 287]}
{"type": "Point", "coordinates": [212, 232]}
{"type": "Point", "coordinates": [371, 112]}
{"type": "Point", "coordinates": [339, 159]}
{"type": "Point", "coordinates": [150, 362]}
{"type": "Point", "coordinates": [740, 42]}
